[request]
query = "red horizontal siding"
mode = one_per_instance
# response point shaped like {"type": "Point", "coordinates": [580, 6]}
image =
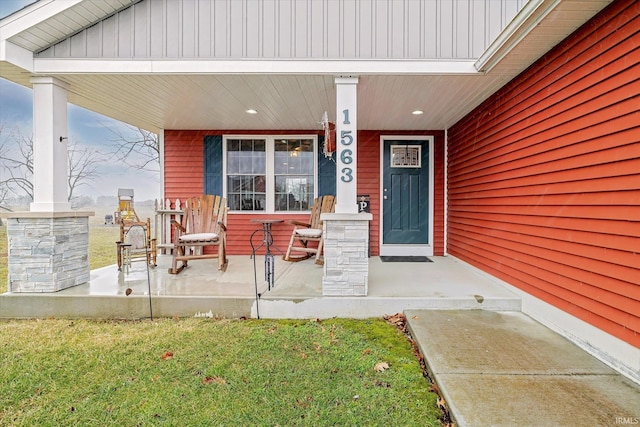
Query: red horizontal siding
{"type": "Point", "coordinates": [544, 177]}
{"type": "Point", "coordinates": [241, 227]}
{"type": "Point", "coordinates": [369, 182]}
{"type": "Point", "coordinates": [184, 177]}
{"type": "Point", "coordinates": [183, 164]}
{"type": "Point", "coordinates": [538, 91]}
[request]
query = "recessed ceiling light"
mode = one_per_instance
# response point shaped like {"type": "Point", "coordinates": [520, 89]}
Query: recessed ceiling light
{"type": "Point", "coordinates": [417, 112]}
{"type": "Point", "coordinates": [251, 111]}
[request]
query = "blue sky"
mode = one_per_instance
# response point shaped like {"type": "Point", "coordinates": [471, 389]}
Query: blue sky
{"type": "Point", "coordinates": [7, 7]}
{"type": "Point", "coordinates": [85, 128]}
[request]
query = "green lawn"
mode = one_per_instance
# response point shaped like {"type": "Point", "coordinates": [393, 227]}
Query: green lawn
{"type": "Point", "coordinates": [203, 372]}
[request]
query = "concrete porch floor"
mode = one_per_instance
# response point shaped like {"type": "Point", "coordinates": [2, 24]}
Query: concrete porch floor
{"type": "Point", "coordinates": [493, 366]}
{"type": "Point", "coordinates": [202, 290]}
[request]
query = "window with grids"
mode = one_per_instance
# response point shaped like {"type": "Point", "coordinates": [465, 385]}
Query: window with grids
{"type": "Point", "coordinates": [270, 174]}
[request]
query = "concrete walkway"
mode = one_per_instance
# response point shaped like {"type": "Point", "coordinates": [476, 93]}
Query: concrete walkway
{"type": "Point", "coordinates": [505, 369]}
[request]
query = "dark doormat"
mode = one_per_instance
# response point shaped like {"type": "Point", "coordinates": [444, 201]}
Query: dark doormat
{"type": "Point", "coordinates": [405, 259]}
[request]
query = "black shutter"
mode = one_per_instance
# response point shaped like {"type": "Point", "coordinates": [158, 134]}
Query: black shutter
{"type": "Point", "coordinates": [213, 164]}
{"type": "Point", "coordinates": [326, 171]}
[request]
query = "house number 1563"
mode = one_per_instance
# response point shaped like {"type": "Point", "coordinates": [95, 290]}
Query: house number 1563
{"type": "Point", "coordinates": [346, 155]}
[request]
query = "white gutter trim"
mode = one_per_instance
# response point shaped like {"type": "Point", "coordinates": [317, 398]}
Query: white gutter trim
{"type": "Point", "coordinates": [162, 160]}
{"type": "Point", "coordinates": [519, 27]}
{"type": "Point", "coordinates": [446, 191]}
{"type": "Point", "coordinates": [248, 66]}
{"type": "Point", "coordinates": [16, 55]}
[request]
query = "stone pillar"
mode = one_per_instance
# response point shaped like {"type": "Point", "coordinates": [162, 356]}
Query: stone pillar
{"type": "Point", "coordinates": [47, 252]}
{"type": "Point", "coordinates": [49, 245]}
{"type": "Point", "coordinates": [346, 260]}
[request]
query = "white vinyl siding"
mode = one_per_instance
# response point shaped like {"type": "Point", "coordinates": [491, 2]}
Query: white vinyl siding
{"type": "Point", "coordinates": [300, 29]}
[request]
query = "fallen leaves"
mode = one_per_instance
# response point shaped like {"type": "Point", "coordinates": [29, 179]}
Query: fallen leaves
{"type": "Point", "coordinates": [441, 404]}
{"type": "Point", "coordinates": [213, 380]}
{"type": "Point", "coordinates": [398, 320]}
{"type": "Point", "coordinates": [304, 402]}
{"type": "Point", "coordinates": [167, 355]}
{"type": "Point", "coordinates": [381, 367]}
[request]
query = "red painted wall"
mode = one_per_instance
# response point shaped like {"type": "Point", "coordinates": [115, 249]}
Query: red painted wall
{"type": "Point", "coordinates": [544, 177]}
{"type": "Point", "coordinates": [184, 177]}
{"type": "Point", "coordinates": [183, 164]}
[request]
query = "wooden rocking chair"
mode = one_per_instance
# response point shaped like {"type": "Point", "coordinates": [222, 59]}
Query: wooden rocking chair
{"type": "Point", "coordinates": [204, 223]}
{"type": "Point", "coordinates": [303, 233]}
{"type": "Point", "coordinates": [136, 243]}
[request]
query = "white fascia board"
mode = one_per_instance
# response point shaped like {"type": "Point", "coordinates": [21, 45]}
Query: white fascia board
{"type": "Point", "coordinates": [16, 55]}
{"type": "Point", "coordinates": [33, 15]}
{"type": "Point", "coordinates": [519, 27]}
{"type": "Point", "coordinates": [280, 66]}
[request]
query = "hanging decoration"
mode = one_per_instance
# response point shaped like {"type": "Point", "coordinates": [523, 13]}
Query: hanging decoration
{"type": "Point", "coordinates": [329, 135]}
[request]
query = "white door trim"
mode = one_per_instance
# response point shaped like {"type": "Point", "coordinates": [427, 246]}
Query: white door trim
{"type": "Point", "coordinates": [408, 250]}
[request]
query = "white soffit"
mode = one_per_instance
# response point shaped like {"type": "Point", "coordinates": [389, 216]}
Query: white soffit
{"type": "Point", "coordinates": [538, 27]}
{"type": "Point", "coordinates": [46, 22]}
{"type": "Point", "coordinates": [288, 94]}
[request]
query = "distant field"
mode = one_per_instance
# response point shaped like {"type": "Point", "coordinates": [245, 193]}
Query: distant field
{"type": "Point", "coordinates": [102, 238]}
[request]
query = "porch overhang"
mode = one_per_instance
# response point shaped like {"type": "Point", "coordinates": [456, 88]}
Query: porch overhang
{"type": "Point", "coordinates": [288, 93]}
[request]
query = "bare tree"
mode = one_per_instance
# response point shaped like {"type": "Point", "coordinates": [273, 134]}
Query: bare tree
{"type": "Point", "coordinates": [16, 165]}
{"type": "Point", "coordinates": [83, 167]}
{"type": "Point", "coordinates": [17, 168]}
{"type": "Point", "coordinates": [138, 149]}
{"type": "Point", "coordinates": [4, 188]}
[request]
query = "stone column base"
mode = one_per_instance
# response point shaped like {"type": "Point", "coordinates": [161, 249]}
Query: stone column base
{"type": "Point", "coordinates": [48, 251]}
{"type": "Point", "coordinates": [346, 249]}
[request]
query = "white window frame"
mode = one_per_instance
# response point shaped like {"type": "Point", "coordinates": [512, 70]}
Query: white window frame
{"type": "Point", "coordinates": [269, 169]}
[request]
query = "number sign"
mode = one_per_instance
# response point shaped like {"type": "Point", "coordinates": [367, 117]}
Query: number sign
{"type": "Point", "coordinates": [346, 155]}
{"type": "Point", "coordinates": [346, 144]}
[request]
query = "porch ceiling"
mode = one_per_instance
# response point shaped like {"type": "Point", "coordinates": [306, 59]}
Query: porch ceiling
{"type": "Point", "coordinates": [215, 94]}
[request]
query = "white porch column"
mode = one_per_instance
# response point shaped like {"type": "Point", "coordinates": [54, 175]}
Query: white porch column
{"type": "Point", "coordinates": [49, 245]}
{"type": "Point", "coordinates": [346, 145]}
{"type": "Point", "coordinates": [50, 159]}
{"type": "Point", "coordinates": [346, 232]}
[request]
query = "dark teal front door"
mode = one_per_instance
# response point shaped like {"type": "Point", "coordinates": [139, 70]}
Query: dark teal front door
{"type": "Point", "coordinates": [405, 192]}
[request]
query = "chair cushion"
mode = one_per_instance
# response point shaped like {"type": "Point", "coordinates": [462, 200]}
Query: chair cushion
{"type": "Point", "coordinates": [309, 232]}
{"type": "Point", "coordinates": [198, 237]}
{"type": "Point", "coordinates": [135, 237]}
